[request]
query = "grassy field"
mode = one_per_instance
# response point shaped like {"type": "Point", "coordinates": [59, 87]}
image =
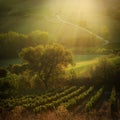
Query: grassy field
{"type": "Point", "coordinates": [84, 62]}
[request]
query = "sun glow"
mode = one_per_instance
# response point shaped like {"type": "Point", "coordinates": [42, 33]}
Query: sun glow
{"type": "Point", "coordinates": [88, 14]}
{"type": "Point", "coordinates": [91, 11]}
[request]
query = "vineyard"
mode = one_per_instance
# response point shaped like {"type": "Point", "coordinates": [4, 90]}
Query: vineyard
{"type": "Point", "coordinates": [70, 97]}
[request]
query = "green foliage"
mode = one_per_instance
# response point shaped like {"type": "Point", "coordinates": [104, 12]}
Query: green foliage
{"type": "Point", "coordinates": [17, 68]}
{"type": "Point", "coordinates": [106, 71]}
{"type": "Point", "coordinates": [37, 103]}
{"type": "Point", "coordinates": [113, 96]}
{"type": "Point", "coordinates": [68, 97]}
{"type": "Point", "coordinates": [47, 62]}
{"type": "Point", "coordinates": [11, 43]}
{"type": "Point", "coordinates": [103, 69]}
{"type": "Point", "coordinates": [39, 37]}
{"type": "Point", "coordinates": [77, 97]}
{"type": "Point", "coordinates": [90, 104]}
{"type": "Point", "coordinates": [3, 72]}
{"type": "Point", "coordinates": [8, 85]}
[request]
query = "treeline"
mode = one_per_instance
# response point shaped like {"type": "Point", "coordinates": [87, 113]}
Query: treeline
{"type": "Point", "coordinates": [11, 43]}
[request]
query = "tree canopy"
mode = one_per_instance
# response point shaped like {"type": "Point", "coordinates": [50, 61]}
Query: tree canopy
{"type": "Point", "coordinates": [47, 62]}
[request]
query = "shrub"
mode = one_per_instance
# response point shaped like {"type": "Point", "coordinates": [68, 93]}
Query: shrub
{"type": "Point", "coordinates": [107, 72]}
{"type": "Point", "coordinates": [3, 72]}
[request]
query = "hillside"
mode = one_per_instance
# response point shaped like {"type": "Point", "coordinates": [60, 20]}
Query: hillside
{"type": "Point", "coordinates": [26, 16]}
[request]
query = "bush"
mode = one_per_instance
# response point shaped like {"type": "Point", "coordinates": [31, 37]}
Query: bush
{"type": "Point", "coordinates": [107, 71]}
{"type": "Point", "coordinates": [6, 87]}
{"type": "Point", "coordinates": [3, 72]}
{"type": "Point", "coordinates": [17, 68]}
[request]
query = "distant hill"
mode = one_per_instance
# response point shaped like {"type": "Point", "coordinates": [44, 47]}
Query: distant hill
{"type": "Point", "coordinates": [25, 16]}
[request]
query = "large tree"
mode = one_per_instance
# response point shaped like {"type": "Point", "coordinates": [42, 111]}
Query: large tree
{"type": "Point", "coordinates": [47, 62]}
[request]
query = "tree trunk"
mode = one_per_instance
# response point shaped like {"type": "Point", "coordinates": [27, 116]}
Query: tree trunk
{"type": "Point", "coordinates": [46, 85]}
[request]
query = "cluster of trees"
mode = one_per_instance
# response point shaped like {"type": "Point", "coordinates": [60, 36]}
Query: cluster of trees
{"type": "Point", "coordinates": [104, 72]}
{"type": "Point", "coordinates": [43, 66]}
{"type": "Point", "coordinates": [44, 62]}
{"type": "Point", "coordinates": [11, 43]}
{"type": "Point", "coordinates": [107, 72]}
